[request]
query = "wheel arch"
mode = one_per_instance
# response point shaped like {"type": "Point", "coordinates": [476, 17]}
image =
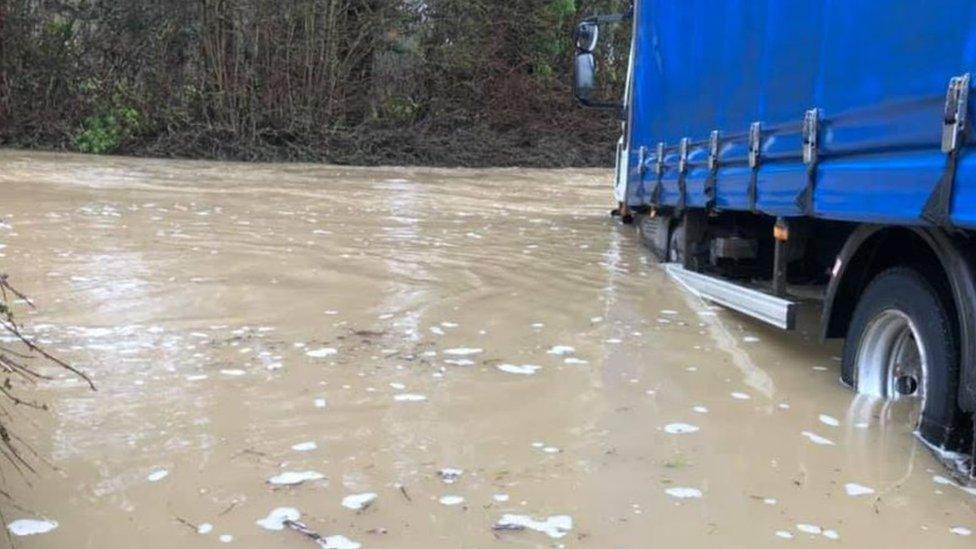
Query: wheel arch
{"type": "Point", "coordinates": [871, 248]}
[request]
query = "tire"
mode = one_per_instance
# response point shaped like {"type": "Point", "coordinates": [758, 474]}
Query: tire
{"type": "Point", "coordinates": [902, 294]}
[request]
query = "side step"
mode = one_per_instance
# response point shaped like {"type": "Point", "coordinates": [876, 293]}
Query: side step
{"type": "Point", "coordinates": [770, 309]}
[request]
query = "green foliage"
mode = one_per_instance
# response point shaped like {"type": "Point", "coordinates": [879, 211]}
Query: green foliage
{"type": "Point", "coordinates": [470, 82]}
{"type": "Point", "coordinates": [105, 132]}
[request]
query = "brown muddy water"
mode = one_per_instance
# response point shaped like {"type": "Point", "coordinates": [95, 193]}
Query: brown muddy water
{"type": "Point", "coordinates": [474, 347]}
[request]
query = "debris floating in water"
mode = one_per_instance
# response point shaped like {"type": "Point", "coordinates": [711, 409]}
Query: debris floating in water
{"type": "Point", "coordinates": [740, 396]}
{"type": "Point", "coordinates": [462, 351]}
{"type": "Point", "coordinates": [524, 369]}
{"type": "Point", "coordinates": [854, 489]}
{"type": "Point", "coordinates": [409, 397]}
{"type": "Point", "coordinates": [449, 475]}
{"type": "Point", "coordinates": [957, 530]}
{"type": "Point", "coordinates": [204, 528]}
{"type": "Point", "coordinates": [277, 517]}
{"type": "Point", "coordinates": [574, 360]}
{"type": "Point", "coordinates": [322, 352]}
{"type": "Point", "coordinates": [358, 502]}
{"type": "Point", "coordinates": [681, 492]}
{"type": "Point", "coordinates": [30, 527]}
{"type": "Point", "coordinates": [226, 538]}
{"type": "Point", "coordinates": [157, 475]}
{"type": "Point", "coordinates": [555, 526]}
{"type": "Point", "coordinates": [451, 500]}
{"type": "Point", "coordinates": [680, 428]}
{"type": "Point", "coordinates": [233, 372]}
{"type": "Point", "coordinates": [828, 420]}
{"type": "Point", "coordinates": [817, 439]}
{"type": "Point", "coordinates": [700, 409]}
{"type": "Point", "coordinates": [291, 478]}
{"type": "Point", "coordinates": [561, 350]}
{"type": "Point", "coordinates": [305, 446]}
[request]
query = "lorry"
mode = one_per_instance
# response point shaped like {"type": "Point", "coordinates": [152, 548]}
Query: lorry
{"type": "Point", "coordinates": [774, 153]}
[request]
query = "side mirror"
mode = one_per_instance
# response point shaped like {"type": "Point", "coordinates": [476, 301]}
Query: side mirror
{"type": "Point", "coordinates": [587, 34]}
{"type": "Point", "coordinates": [584, 77]}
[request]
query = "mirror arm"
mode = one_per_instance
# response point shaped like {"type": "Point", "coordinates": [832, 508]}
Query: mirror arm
{"type": "Point", "coordinates": [603, 105]}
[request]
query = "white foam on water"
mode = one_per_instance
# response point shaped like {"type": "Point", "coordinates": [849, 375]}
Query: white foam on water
{"type": "Point", "coordinates": [451, 500]}
{"type": "Point", "coordinates": [204, 528]}
{"type": "Point", "coordinates": [680, 428]}
{"type": "Point", "coordinates": [450, 475]}
{"type": "Point", "coordinates": [322, 352]}
{"type": "Point", "coordinates": [233, 372]}
{"type": "Point", "coordinates": [524, 369]}
{"type": "Point", "coordinates": [828, 420]}
{"type": "Point", "coordinates": [459, 361]}
{"type": "Point", "coordinates": [831, 534]}
{"type": "Point", "coordinates": [226, 538]}
{"type": "Point", "coordinates": [157, 475]}
{"type": "Point", "coordinates": [769, 501]}
{"type": "Point", "coordinates": [398, 386]}
{"type": "Point", "coordinates": [291, 478]}
{"type": "Point", "coordinates": [551, 450]}
{"type": "Point", "coordinates": [198, 377]}
{"type": "Point", "coordinates": [276, 518]}
{"type": "Point", "coordinates": [596, 319]}
{"type": "Point", "coordinates": [957, 530]}
{"type": "Point", "coordinates": [30, 527]}
{"type": "Point", "coordinates": [740, 396]}
{"type": "Point", "coordinates": [700, 409]}
{"type": "Point", "coordinates": [409, 397]}
{"type": "Point", "coordinates": [750, 339]}
{"type": "Point", "coordinates": [668, 312]}
{"type": "Point", "coordinates": [462, 351]}
{"type": "Point", "coordinates": [436, 330]}
{"type": "Point", "coordinates": [500, 498]}
{"type": "Point", "coordinates": [784, 534]}
{"type": "Point", "coordinates": [613, 340]}
{"type": "Point", "coordinates": [561, 350]}
{"type": "Point", "coordinates": [305, 446]}
{"type": "Point", "coordinates": [555, 526]}
{"type": "Point", "coordinates": [808, 528]}
{"type": "Point", "coordinates": [682, 492]}
{"type": "Point", "coordinates": [450, 324]}
{"type": "Point", "coordinates": [358, 501]}
{"type": "Point", "coordinates": [339, 541]}
{"type": "Point", "coordinates": [853, 489]}
{"type": "Point", "coordinates": [320, 403]}
{"type": "Point", "coordinates": [817, 439]}
{"type": "Point", "coordinates": [574, 360]}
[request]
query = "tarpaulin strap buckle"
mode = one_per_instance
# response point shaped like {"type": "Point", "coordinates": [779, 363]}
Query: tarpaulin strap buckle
{"type": "Point", "coordinates": [937, 209]}
{"type": "Point", "coordinates": [755, 152]}
{"type": "Point", "coordinates": [810, 131]}
{"type": "Point", "coordinates": [659, 173]}
{"type": "Point", "coordinates": [712, 179]}
{"type": "Point", "coordinates": [682, 172]}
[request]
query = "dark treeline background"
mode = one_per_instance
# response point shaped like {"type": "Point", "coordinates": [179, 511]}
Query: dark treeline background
{"type": "Point", "coordinates": [443, 82]}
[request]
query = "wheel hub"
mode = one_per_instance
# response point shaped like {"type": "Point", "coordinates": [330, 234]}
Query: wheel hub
{"type": "Point", "coordinates": [891, 361]}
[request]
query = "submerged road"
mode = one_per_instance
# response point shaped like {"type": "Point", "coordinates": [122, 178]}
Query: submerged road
{"type": "Point", "coordinates": [419, 358]}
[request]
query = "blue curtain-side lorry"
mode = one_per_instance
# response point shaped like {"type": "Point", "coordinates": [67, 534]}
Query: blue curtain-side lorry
{"type": "Point", "coordinates": [774, 150]}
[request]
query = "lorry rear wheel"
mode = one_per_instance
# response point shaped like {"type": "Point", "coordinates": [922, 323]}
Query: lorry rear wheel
{"type": "Point", "coordinates": [901, 346]}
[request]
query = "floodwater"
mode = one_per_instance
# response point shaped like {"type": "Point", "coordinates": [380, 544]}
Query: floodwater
{"type": "Point", "coordinates": [419, 358]}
